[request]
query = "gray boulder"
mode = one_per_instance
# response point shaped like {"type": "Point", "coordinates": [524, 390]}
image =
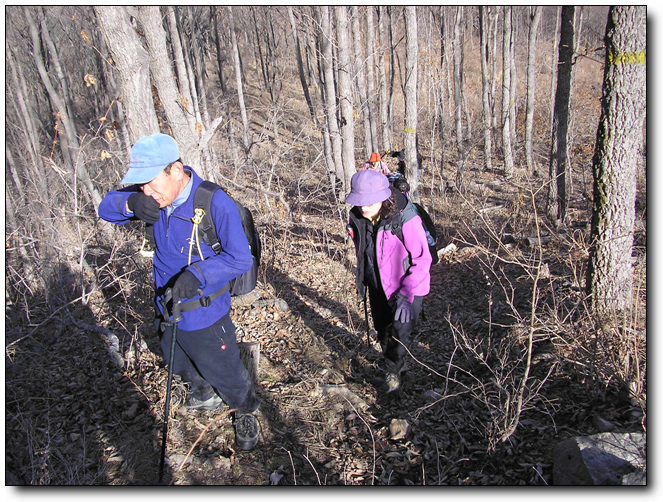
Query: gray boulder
{"type": "Point", "coordinates": [602, 459]}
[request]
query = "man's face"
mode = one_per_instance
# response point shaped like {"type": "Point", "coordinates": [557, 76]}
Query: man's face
{"type": "Point", "coordinates": [165, 187]}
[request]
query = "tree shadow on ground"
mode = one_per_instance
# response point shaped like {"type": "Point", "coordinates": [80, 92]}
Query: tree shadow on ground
{"type": "Point", "coordinates": [72, 417]}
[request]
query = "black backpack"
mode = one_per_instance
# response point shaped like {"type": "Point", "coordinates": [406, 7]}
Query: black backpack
{"type": "Point", "coordinates": [412, 209]}
{"type": "Point", "coordinates": [246, 282]}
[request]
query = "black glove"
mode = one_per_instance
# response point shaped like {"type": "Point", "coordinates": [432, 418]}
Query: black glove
{"type": "Point", "coordinates": [144, 207]}
{"type": "Point", "coordinates": [186, 286]}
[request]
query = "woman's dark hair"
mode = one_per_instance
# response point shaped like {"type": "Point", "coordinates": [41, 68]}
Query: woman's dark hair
{"type": "Point", "coordinates": [389, 207]}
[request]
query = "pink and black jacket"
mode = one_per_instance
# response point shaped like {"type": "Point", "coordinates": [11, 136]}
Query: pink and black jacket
{"type": "Point", "coordinates": [404, 266]}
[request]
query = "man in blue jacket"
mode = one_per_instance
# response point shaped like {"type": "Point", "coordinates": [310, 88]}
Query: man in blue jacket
{"type": "Point", "coordinates": [161, 193]}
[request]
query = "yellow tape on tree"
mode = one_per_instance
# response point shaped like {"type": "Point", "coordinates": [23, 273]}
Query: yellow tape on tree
{"type": "Point", "coordinates": [627, 58]}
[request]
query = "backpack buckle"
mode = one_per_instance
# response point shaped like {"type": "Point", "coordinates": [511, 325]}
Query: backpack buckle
{"type": "Point", "coordinates": [205, 301]}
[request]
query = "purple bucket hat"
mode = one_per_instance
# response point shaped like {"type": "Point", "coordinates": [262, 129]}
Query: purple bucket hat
{"type": "Point", "coordinates": [368, 187]}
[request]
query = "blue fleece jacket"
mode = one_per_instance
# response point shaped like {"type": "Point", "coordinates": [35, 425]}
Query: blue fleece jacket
{"type": "Point", "coordinates": [172, 235]}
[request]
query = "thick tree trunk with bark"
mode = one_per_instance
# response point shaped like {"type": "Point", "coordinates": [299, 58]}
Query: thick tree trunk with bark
{"type": "Point", "coordinates": [619, 143]}
{"type": "Point", "coordinates": [132, 63]}
{"type": "Point", "coordinates": [164, 82]}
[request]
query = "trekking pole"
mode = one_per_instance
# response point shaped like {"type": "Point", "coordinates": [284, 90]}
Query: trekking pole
{"type": "Point", "coordinates": [368, 326]}
{"type": "Point", "coordinates": [177, 317]}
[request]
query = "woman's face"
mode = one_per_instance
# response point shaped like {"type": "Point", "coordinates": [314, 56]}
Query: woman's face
{"type": "Point", "coordinates": [370, 212]}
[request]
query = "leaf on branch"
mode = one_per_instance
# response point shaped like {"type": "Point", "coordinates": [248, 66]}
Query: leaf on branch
{"type": "Point", "coordinates": [109, 135]}
{"type": "Point", "coordinates": [184, 102]}
{"type": "Point", "coordinates": [89, 80]}
{"type": "Point", "coordinates": [85, 37]}
{"type": "Point", "coordinates": [199, 128]}
{"type": "Point", "coordinates": [105, 155]}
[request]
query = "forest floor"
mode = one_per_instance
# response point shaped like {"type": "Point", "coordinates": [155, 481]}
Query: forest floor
{"type": "Point", "coordinates": [74, 418]}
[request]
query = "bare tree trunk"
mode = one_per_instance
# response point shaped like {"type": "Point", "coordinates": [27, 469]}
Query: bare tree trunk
{"type": "Point", "coordinates": [30, 139]}
{"type": "Point", "coordinates": [246, 145]}
{"type": "Point", "coordinates": [370, 74]}
{"type": "Point", "coordinates": [441, 85]}
{"type": "Point", "coordinates": [132, 63]}
{"type": "Point", "coordinates": [181, 24]}
{"type": "Point", "coordinates": [69, 141]}
{"type": "Point", "coordinates": [361, 80]}
{"type": "Point", "coordinates": [493, 67]}
{"type": "Point", "coordinates": [300, 67]}
{"type": "Point", "coordinates": [485, 91]}
{"type": "Point", "coordinates": [619, 141]}
{"type": "Point", "coordinates": [185, 99]}
{"type": "Point", "coordinates": [559, 155]}
{"type": "Point", "coordinates": [199, 67]}
{"type": "Point", "coordinates": [553, 64]}
{"type": "Point", "coordinates": [164, 82]}
{"type": "Point", "coordinates": [506, 94]}
{"type": "Point", "coordinates": [458, 101]}
{"type": "Point", "coordinates": [531, 90]}
{"type": "Point", "coordinates": [345, 92]}
{"type": "Point", "coordinates": [264, 71]}
{"type": "Point", "coordinates": [327, 62]}
{"type": "Point", "coordinates": [219, 57]}
{"type": "Point", "coordinates": [410, 136]}
{"type": "Point", "coordinates": [513, 79]}
{"type": "Point", "coordinates": [387, 138]}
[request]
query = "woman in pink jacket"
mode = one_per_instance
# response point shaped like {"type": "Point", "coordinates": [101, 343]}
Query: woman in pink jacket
{"type": "Point", "coordinates": [393, 263]}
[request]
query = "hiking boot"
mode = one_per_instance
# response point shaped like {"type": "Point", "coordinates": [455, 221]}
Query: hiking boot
{"type": "Point", "coordinates": [393, 381]}
{"type": "Point", "coordinates": [213, 403]}
{"type": "Point", "coordinates": [246, 430]}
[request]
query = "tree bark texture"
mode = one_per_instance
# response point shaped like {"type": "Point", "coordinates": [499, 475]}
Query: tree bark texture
{"type": "Point", "coordinates": [345, 92]}
{"type": "Point", "coordinates": [240, 87]}
{"type": "Point", "coordinates": [619, 142]}
{"type": "Point", "coordinates": [327, 66]}
{"type": "Point", "coordinates": [164, 82]}
{"type": "Point", "coordinates": [184, 86]}
{"type": "Point", "coordinates": [485, 90]}
{"type": "Point", "coordinates": [559, 155]}
{"type": "Point", "coordinates": [361, 81]}
{"type": "Point", "coordinates": [506, 93]}
{"type": "Point", "coordinates": [370, 78]}
{"type": "Point", "coordinates": [531, 88]}
{"type": "Point", "coordinates": [132, 63]}
{"type": "Point", "coordinates": [411, 68]}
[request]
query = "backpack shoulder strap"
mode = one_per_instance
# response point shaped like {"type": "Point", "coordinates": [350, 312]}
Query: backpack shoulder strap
{"type": "Point", "coordinates": [203, 199]}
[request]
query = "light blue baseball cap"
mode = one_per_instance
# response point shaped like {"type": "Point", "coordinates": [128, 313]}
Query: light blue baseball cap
{"type": "Point", "coordinates": [149, 156]}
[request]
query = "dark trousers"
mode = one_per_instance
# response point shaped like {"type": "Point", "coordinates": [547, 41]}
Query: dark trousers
{"type": "Point", "coordinates": [391, 332]}
{"type": "Point", "coordinates": [208, 360]}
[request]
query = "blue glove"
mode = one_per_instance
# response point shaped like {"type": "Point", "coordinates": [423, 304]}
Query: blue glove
{"type": "Point", "coordinates": [404, 311]}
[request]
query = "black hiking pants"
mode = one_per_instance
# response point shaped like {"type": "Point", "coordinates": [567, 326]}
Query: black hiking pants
{"type": "Point", "coordinates": [394, 336]}
{"type": "Point", "coordinates": [208, 360]}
